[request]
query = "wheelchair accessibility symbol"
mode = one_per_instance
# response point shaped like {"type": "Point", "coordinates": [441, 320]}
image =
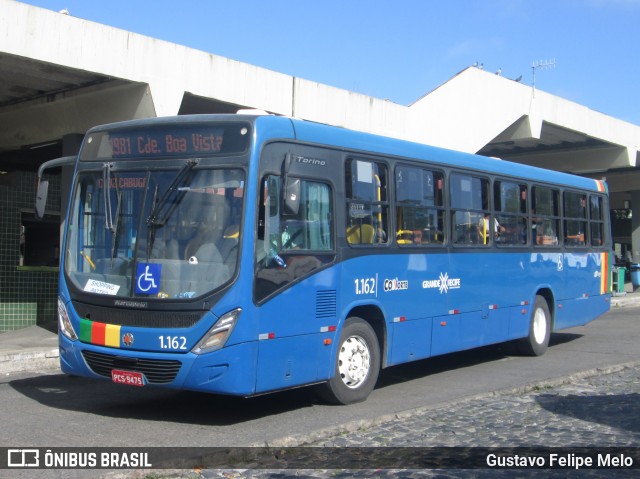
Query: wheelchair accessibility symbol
{"type": "Point", "coordinates": [148, 278]}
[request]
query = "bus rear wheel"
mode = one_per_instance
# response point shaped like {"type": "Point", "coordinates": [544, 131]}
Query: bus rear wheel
{"type": "Point", "coordinates": [357, 364]}
{"type": "Point", "coordinates": [535, 344]}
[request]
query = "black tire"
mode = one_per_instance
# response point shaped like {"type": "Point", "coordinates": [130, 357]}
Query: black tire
{"type": "Point", "coordinates": [536, 343]}
{"type": "Point", "coordinates": [357, 364]}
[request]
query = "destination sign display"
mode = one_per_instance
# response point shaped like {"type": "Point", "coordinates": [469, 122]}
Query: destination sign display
{"type": "Point", "coordinates": [168, 141]}
{"type": "Point", "coordinates": [166, 144]}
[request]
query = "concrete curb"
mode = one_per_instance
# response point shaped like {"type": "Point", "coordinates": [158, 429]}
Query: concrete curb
{"type": "Point", "coordinates": [29, 361]}
{"type": "Point", "coordinates": [625, 301]}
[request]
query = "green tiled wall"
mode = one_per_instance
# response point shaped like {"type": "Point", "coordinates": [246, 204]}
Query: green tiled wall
{"type": "Point", "coordinates": [26, 297]}
{"type": "Point", "coordinates": [17, 315]}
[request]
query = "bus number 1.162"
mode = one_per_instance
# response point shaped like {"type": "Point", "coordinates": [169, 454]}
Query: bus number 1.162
{"type": "Point", "coordinates": [173, 342]}
{"type": "Point", "coordinates": [365, 285]}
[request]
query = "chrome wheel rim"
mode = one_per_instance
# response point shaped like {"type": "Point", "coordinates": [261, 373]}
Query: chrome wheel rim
{"type": "Point", "coordinates": [539, 326]}
{"type": "Point", "coordinates": [354, 361]}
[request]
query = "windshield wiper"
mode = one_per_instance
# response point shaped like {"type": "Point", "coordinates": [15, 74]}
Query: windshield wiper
{"type": "Point", "coordinates": [106, 192]}
{"type": "Point", "coordinates": [153, 219]}
{"type": "Point", "coordinates": [108, 210]}
{"type": "Point", "coordinates": [152, 226]}
{"type": "Point", "coordinates": [114, 228]}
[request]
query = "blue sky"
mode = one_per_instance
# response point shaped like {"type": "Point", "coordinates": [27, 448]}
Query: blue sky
{"type": "Point", "coordinates": [402, 49]}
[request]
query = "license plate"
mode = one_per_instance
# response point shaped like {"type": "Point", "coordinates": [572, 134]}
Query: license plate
{"type": "Point", "coordinates": [130, 378]}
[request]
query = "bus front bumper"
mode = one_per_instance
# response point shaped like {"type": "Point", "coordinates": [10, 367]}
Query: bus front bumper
{"type": "Point", "coordinates": [230, 370]}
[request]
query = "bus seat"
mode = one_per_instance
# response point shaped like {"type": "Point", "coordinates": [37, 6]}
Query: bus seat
{"type": "Point", "coordinates": [232, 231]}
{"type": "Point", "coordinates": [209, 271]}
{"type": "Point", "coordinates": [172, 249]}
{"type": "Point", "coordinates": [162, 249]}
{"type": "Point", "coordinates": [360, 234]}
{"type": "Point", "coordinates": [207, 253]}
{"type": "Point", "coordinates": [203, 236]}
{"type": "Point", "coordinates": [228, 243]}
{"type": "Point", "coordinates": [404, 237]}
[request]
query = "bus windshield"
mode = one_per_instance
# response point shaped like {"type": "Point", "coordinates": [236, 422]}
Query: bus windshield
{"type": "Point", "coordinates": [169, 234]}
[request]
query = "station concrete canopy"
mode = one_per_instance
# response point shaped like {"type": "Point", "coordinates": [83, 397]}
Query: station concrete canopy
{"type": "Point", "coordinates": [491, 115]}
{"type": "Point", "coordinates": [60, 75]}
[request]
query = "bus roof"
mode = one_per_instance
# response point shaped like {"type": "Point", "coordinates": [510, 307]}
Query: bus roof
{"type": "Point", "coordinates": [337, 137]}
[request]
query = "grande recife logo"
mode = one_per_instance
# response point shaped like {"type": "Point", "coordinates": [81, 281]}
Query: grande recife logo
{"type": "Point", "coordinates": [443, 283]}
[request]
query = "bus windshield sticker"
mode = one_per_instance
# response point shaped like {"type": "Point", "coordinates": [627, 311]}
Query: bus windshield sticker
{"type": "Point", "coordinates": [148, 278]}
{"type": "Point", "coordinates": [358, 210]}
{"type": "Point", "coordinates": [100, 287]}
{"type": "Point", "coordinates": [364, 171]}
{"type": "Point", "coordinates": [465, 185]}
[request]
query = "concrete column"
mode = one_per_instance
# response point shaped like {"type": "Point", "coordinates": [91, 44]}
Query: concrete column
{"type": "Point", "coordinates": [635, 226]}
{"type": "Point", "coordinates": [166, 98]}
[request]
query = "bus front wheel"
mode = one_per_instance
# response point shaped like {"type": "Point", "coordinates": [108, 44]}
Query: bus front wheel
{"type": "Point", "coordinates": [357, 364]}
{"type": "Point", "coordinates": [535, 344]}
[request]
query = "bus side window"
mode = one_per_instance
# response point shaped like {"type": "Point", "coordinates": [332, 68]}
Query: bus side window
{"type": "Point", "coordinates": [545, 219]}
{"type": "Point", "coordinates": [419, 206]}
{"type": "Point", "coordinates": [596, 223]}
{"type": "Point", "coordinates": [291, 246]}
{"type": "Point", "coordinates": [510, 202]}
{"type": "Point", "coordinates": [367, 202]}
{"type": "Point", "coordinates": [469, 205]}
{"type": "Point", "coordinates": [575, 219]}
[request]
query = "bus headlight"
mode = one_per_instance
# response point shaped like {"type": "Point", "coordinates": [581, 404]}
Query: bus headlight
{"type": "Point", "coordinates": [64, 324]}
{"type": "Point", "coordinates": [219, 333]}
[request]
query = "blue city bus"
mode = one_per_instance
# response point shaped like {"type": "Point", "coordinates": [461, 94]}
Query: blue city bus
{"type": "Point", "coordinates": [244, 254]}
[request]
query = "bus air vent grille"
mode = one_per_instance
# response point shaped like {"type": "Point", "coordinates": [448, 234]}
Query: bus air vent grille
{"type": "Point", "coordinates": [157, 371]}
{"type": "Point", "coordinates": [326, 304]}
{"type": "Point", "coordinates": [138, 317]}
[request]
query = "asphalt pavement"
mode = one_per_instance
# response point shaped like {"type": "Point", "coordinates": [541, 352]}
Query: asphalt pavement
{"type": "Point", "coordinates": [594, 407]}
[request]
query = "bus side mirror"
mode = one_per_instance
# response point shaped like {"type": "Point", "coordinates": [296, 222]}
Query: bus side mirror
{"type": "Point", "coordinates": [41, 198]}
{"type": "Point", "coordinates": [291, 196]}
{"type": "Point", "coordinates": [43, 186]}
